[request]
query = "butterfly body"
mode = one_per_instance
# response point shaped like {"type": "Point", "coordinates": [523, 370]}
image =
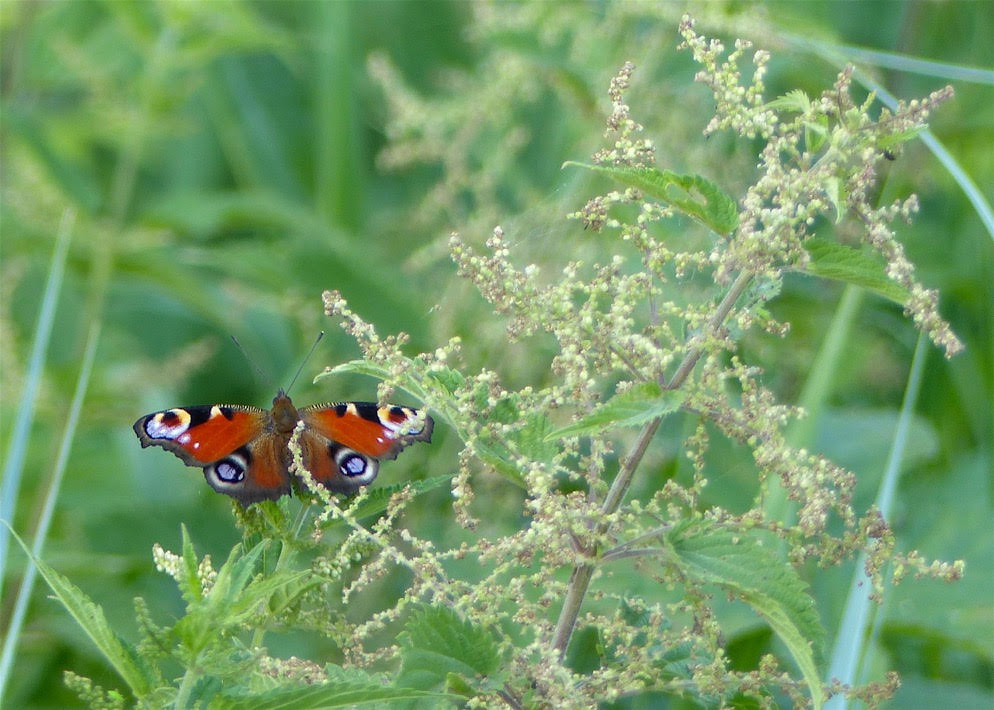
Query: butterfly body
{"type": "Point", "coordinates": [244, 451]}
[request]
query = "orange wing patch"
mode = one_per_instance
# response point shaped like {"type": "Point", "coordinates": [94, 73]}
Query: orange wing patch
{"type": "Point", "coordinates": [201, 434]}
{"type": "Point", "coordinates": [379, 432]}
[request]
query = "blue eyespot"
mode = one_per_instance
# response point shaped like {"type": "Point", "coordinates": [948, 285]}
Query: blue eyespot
{"type": "Point", "coordinates": [352, 465]}
{"type": "Point", "coordinates": [230, 471]}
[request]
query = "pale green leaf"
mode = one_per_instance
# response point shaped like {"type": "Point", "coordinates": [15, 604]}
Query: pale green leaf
{"type": "Point", "coordinates": [815, 134]}
{"type": "Point", "coordinates": [795, 100]}
{"type": "Point", "coordinates": [694, 195]}
{"type": "Point", "coordinates": [836, 195]}
{"type": "Point", "coordinates": [642, 403]}
{"type": "Point", "coordinates": [831, 260]}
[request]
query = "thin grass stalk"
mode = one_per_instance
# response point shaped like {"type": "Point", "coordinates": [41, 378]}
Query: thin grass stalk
{"type": "Point", "coordinates": [45, 519]}
{"type": "Point", "coordinates": [102, 265]}
{"type": "Point", "coordinates": [850, 643]}
{"type": "Point", "coordinates": [14, 465]}
{"type": "Point", "coordinates": [338, 188]}
{"type": "Point", "coordinates": [905, 63]}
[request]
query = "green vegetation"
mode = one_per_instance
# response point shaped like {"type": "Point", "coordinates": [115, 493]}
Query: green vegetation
{"type": "Point", "coordinates": [616, 332]}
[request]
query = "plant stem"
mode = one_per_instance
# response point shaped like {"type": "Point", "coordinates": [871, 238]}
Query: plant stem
{"type": "Point", "coordinates": [583, 572]}
{"type": "Point", "coordinates": [714, 322]}
{"type": "Point", "coordinates": [182, 699]}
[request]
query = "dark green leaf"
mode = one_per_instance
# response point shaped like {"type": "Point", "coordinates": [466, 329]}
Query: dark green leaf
{"type": "Point", "coordinates": [90, 617]}
{"type": "Point", "coordinates": [768, 584]}
{"type": "Point", "coordinates": [437, 642]}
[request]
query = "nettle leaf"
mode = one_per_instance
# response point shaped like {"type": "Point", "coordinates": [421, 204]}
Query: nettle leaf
{"type": "Point", "coordinates": [437, 643]}
{"type": "Point", "coordinates": [694, 195]}
{"type": "Point", "coordinates": [237, 595]}
{"type": "Point", "coordinates": [122, 656]}
{"type": "Point", "coordinates": [528, 439]}
{"type": "Point", "coordinates": [836, 195]}
{"type": "Point", "coordinates": [894, 139]}
{"type": "Point", "coordinates": [189, 584]}
{"type": "Point", "coordinates": [365, 367]}
{"type": "Point", "coordinates": [451, 380]}
{"type": "Point", "coordinates": [768, 584]}
{"type": "Point", "coordinates": [642, 403]}
{"type": "Point", "coordinates": [831, 260]}
{"type": "Point", "coordinates": [795, 100]}
{"type": "Point", "coordinates": [499, 457]}
{"type": "Point", "coordinates": [533, 439]}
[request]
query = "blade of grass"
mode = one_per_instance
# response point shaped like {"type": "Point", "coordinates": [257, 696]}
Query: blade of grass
{"type": "Point", "coordinates": [338, 185]}
{"type": "Point", "coordinates": [850, 642]}
{"type": "Point", "coordinates": [14, 465]}
{"type": "Point", "coordinates": [906, 63]}
{"type": "Point", "coordinates": [45, 520]}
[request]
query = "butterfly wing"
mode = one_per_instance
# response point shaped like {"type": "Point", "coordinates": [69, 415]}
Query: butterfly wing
{"type": "Point", "coordinates": [345, 441]}
{"type": "Point", "coordinates": [236, 446]}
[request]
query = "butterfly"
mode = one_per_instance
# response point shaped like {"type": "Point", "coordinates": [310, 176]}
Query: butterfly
{"type": "Point", "coordinates": [244, 450]}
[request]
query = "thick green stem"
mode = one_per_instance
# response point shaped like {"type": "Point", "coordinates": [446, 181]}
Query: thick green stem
{"type": "Point", "coordinates": [583, 572]}
{"type": "Point", "coordinates": [182, 699]}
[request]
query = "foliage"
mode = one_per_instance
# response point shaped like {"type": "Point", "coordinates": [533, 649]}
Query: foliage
{"type": "Point", "coordinates": [631, 501]}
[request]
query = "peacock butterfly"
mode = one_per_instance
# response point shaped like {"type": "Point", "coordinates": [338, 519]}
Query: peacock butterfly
{"type": "Point", "coordinates": [244, 450]}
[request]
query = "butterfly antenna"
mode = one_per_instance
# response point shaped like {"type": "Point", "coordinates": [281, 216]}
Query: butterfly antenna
{"type": "Point", "coordinates": [309, 353]}
{"type": "Point", "coordinates": [258, 370]}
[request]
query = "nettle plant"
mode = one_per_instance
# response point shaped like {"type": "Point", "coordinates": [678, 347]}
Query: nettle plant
{"type": "Point", "coordinates": [543, 621]}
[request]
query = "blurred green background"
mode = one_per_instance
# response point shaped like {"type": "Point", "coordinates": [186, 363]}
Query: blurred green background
{"type": "Point", "coordinates": [228, 161]}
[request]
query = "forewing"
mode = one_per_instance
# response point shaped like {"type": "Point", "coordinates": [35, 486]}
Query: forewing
{"type": "Point", "coordinates": [235, 446]}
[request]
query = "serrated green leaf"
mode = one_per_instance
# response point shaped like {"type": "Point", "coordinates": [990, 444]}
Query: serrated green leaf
{"type": "Point", "coordinates": [450, 379]}
{"type": "Point", "coordinates": [831, 260]}
{"type": "Point", "coordinates": [694, 195]}
{"type": "Point", "coordinates": [456, 684]}
{"type": "Point", "coordinates": [585, 652]}
{"type": "Point", "coordinates": [897, 138]}
{"type": "Point", "coordinates": [795, 100]}
{"type": "Point", "coordinates": [121, 655]}
{"type": "Point", "coordinates": [364, 367]}
{"type": "Point", "coordinates": [190, 586]}
{"type": "Point", "coordinates": [640, 404]}
{"type": "Point", "coordinates": [769, 585]}
{"type": "Point", "coordinates": [815, 134]}
{"type": "Point", "coordinates": [533, 440]}
{"type": "Point", "coordinates": [498, 456]}
{"type": "Point", "coordinates": [835, 191]}
{"type": "Point", "coordinates": [235, 574]}
{"type": "Point", "coordinates": [437, 642]}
